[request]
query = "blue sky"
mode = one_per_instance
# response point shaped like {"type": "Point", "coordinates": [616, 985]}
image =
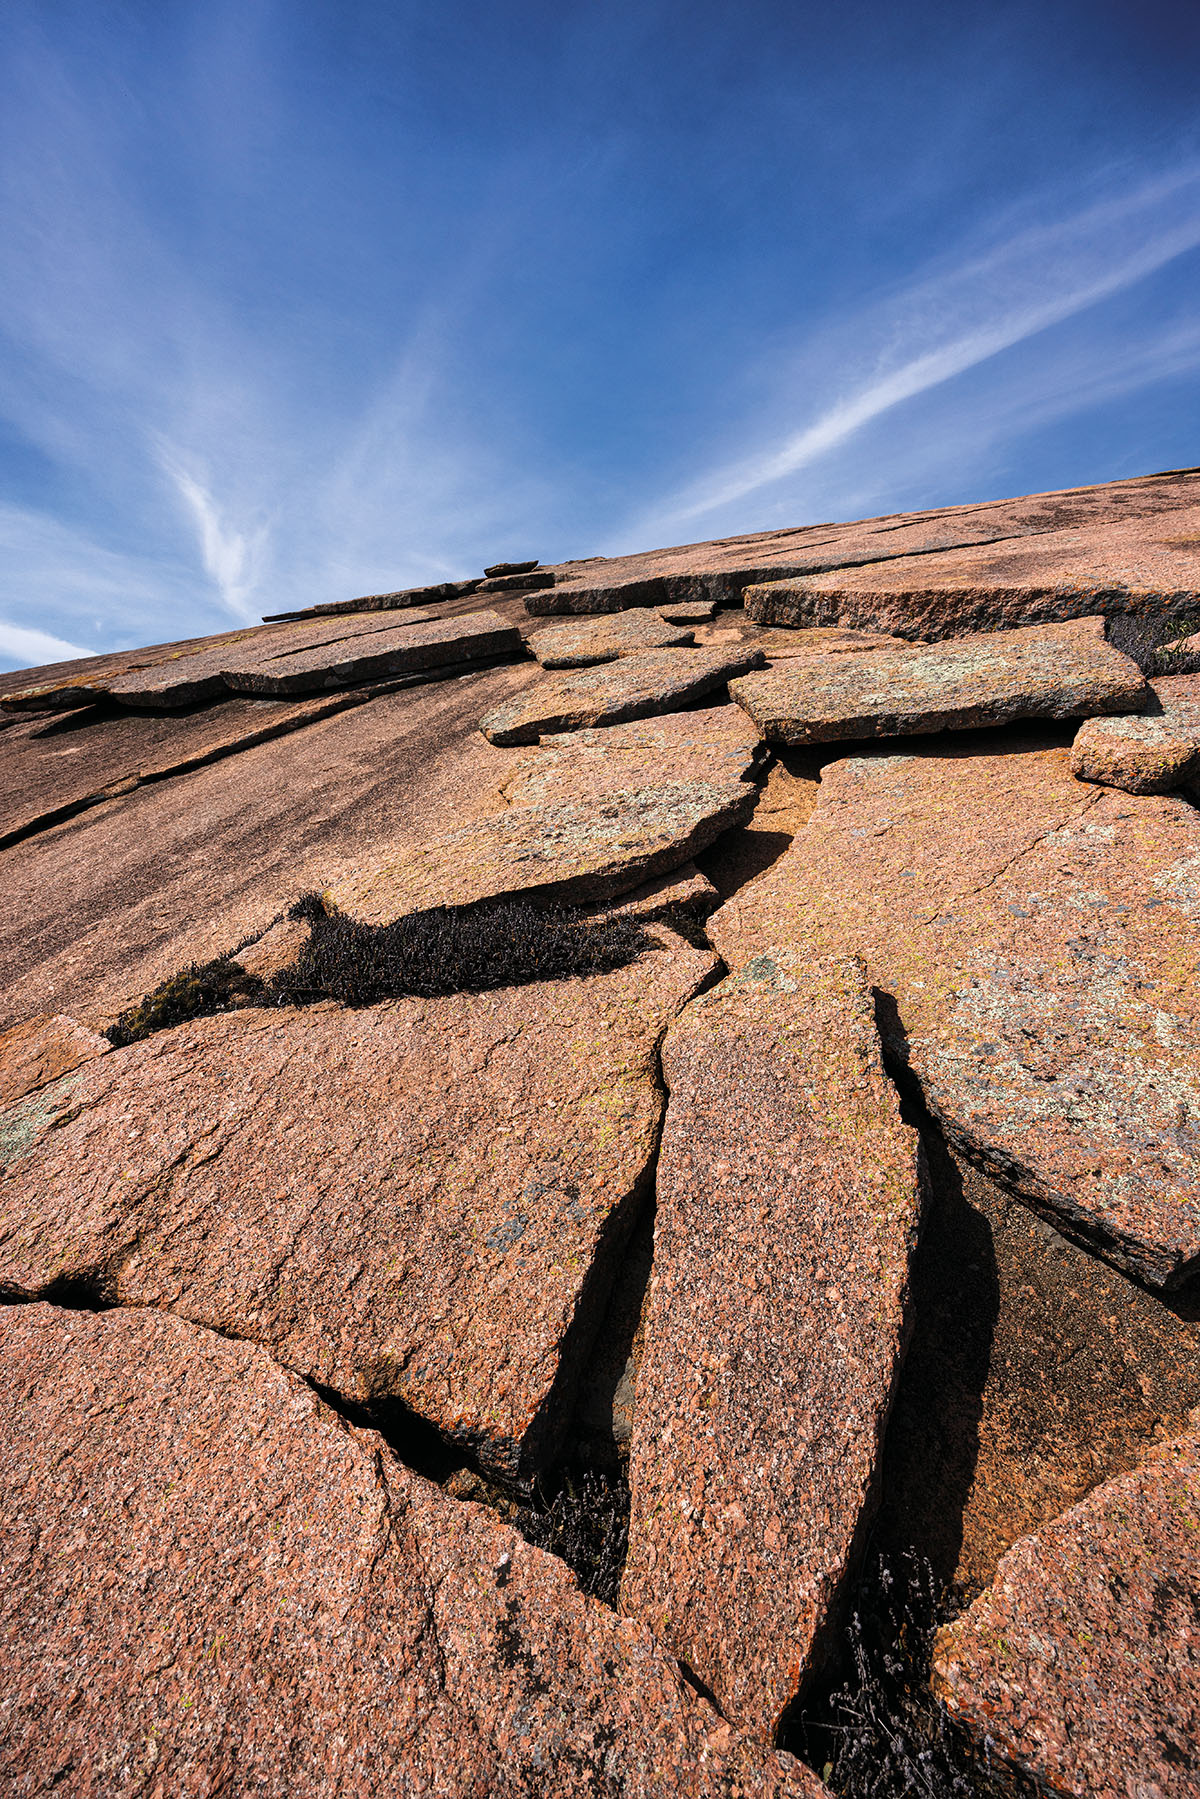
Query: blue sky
{"type": "Point", "coordinates": [301, 300]}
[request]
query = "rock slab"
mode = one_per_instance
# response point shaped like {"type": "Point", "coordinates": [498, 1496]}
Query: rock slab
{"type": "Point", "coordinates": [789, 1197]}
{"type": "Point", "coordinates": [1037, 941]}
{"type": "Point", "coordinates": [582, 851]}
{"type": "Point", "coordinates": [422, 1200]}
{"type": "Point", "coordinates": [404, 649]}
{"type": "Point", "coordinates": [630, 688]}
{"type": "Point", "coordinates": [213, 1584]}
{"type": "Point", "coordinates": [712, 743]}
{"type": "Point", "coordinates": [1044, 671]}
{"type": "Point", "coordinates": [1081, 1665]}
{"type": "Point", "coordinates": [603, 639]}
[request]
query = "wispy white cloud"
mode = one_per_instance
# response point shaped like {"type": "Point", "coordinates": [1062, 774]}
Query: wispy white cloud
{"type": "Point", "coordinates": [961, 316]}
{"type": "Point", "coordinates": [23, 648]}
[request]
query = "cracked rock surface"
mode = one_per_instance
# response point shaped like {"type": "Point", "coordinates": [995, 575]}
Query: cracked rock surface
{"type": "Point", "coordinates": [582, 851]}
{"type": "Point", "coordinates": [214, 1584]}
{"type": "Point", "coordinates": [631, 687]}
{"type": "Point", "coordinates": [1155, 752]}
{"type": "Point", "coordinates": [603, 639]}
{"type": "Point", "coordinates": [789, 1198]}
{"type": "Point", "coordinates": [1081, 1663]}
{"type": "Point", "coordinates": [423, 1199]}
{"type": "Point", "coordinates": [1038, 940]}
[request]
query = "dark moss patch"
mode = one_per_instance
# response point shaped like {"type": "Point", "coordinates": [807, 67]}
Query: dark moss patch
{"type": "Point", "coordinates": [451, 950]}
{"type": "Point", "coordinates": [441, 952]}
{"type": "Point", "coordinates": [1152, 640]}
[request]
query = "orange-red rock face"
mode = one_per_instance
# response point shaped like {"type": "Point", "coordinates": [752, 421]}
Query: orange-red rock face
{"type": "Point", "coordinates": [788, 1205]}
{"type": "Point", "coordinates": [1081, 1664]}
{"type": "Point", "coordinates": [213, 1583]}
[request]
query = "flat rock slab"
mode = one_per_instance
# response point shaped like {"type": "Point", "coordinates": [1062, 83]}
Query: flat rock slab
{"type": "Point", "coordinates": [688, 612]}
{"type": "Point", "coordinates": [1038, 940]}
{"type": "Point", "coordinates": [583, 851]}
{"type": "Point", "coordinates": [686, 890]}
{"type": "Point", "coordinates": [1109, 550]}
{"type": "Point", "coordinates": [213, 1584]}
{"type": "Point", "coordinates": [1044, 671]}
{"type": "Point", "coordinates": [423, 1199]}
{"type": "Point", "coordinates": [716, 743]}
{"type": "Point", "coordinates": [1155, 752]}
{"type": "Point", "coordinates": [789, 1197]}
{"type": "Point", "coordinates": [633, 687]}
{"type": "Point", "coordinates": [403, 649]}
{"type": "Point", "coordinates": [604, 639]}
{"type": "Point", "coordinates": [41, 1049]}
{"type": "Point", "coordinates": [1081, 1665]}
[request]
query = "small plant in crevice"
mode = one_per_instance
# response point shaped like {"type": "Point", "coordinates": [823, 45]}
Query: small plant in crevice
{"type": "Point", "coordinates": [1153, 641]}
{"type": "Point", "coordinates": [881, 1734]}
{"type": "Point", "coordinates": [581, 1515]}
{"type": "Point", "coordinates": [451, 950]}
{"type": "Point", "coordinates": [198, 991]}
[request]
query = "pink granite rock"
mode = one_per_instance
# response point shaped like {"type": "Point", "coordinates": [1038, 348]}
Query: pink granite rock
{"type": "Point", "coordinates": [1045, 671]}
{"type": "Point", "coordinates": [788, 1203]}
{"type": "Point", "coordinates": [631, 687]}
{"type": "Point", "coordinates": [401, 649]}
{"type": "Point", "coordinates": [603, 639]}
{"type": "Point", "coordinates": [1037, 940]}
{"type": "Point", "coordinates": [584, 851]}
{"type": "Point", "coordinates": [38, 1051]}
{"type": "Point", "coordinates": [1155, 752]}
{"type": "Point", "coordinates": [423, 1199]}
{"type": "Point", "coordinates": [212, 1584]}
{"type": "Point", "coordinates": [1080, 1667]}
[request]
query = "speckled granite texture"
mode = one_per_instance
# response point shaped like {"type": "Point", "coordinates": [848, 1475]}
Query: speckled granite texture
{"type": "Point", "coordinates": [1152, 753]}
{"type": "Point", "coordinates": [603, 639]}
{"type": "Point", "coordinates": [580, 851]}
{"type": "Point", "coordinates": [788, 1204]}
{"type": "Point", "coordinates": [1081, 1664]}
{"type": "Point", "coordinates": [40, 1050]}
{"type": "Point", "coordinates": [632, 687]}
{"type": "Point", "coordinates": [1046, 671]}
{"type": "Point", "coordinates": [1038, 941]}
{"type": "Point", "coordinates": [423, 1199]}
{"type": "Point", "coordinates": [712, 743]}
{"type": "Point", "coordinates": [212, 1584]}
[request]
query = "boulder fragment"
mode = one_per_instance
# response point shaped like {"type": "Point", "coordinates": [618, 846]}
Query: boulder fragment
{"type": "Point", "coordinates": [526, 583]}
{"type": "Point", "coordinates": [1080, 1666]}
{"type": "Point", "coordinates": [421, 1200]}
{"type": "Point", "coordinates": [38, 1051]}
{"type": "Point", "coordinates": [1037, 940]}
{"type": "Point", "coordinates": [789, 1196]}
{"type": "Point", "coordinates": [404, 649]}
{"type": "Point", "coordinates": [213, 1584]}
{"type": "Point", "coordinates": [509, 568]}
{"type": "Point", "coordinates": [605, 638]}
{"type": "Point", "coordinates": [1153, 752]}
{"type": "Point", "coordinates": [630, 688]}
{"type": "Point", "coordinates": [578, 851]}
{"type": "Point", "coordinates": [688, 612]}
{"type": "Point", "coordinates": [1045, 671]}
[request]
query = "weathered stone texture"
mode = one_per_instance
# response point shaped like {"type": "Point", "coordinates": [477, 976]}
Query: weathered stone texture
{"type": "Point", "coordinates": [630, 688]}
{"type": "Point", "coordinates": [404, 649]}
{"type": "Point", "coordinates": [421, 1199]}
{"type": "Point", "coordinates": [1038, 938]}
{"type": "Point", "coordinates": [788, 1205]}
{"type": "Point", "coordinates": [1081, 1665]}
{"type": "Point", "coordinates": [583, 851]}
{"type": "Point", "coordinates": [715, 743]}
{"type": "Point", "coordinates": [1046, 671]}
{"type": "Point", "coordinates": [39, 1050]}
{"type": "Point", "coordinates": [606, 638]}
{"type": "Point", "coordinates": [212, 1584]}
